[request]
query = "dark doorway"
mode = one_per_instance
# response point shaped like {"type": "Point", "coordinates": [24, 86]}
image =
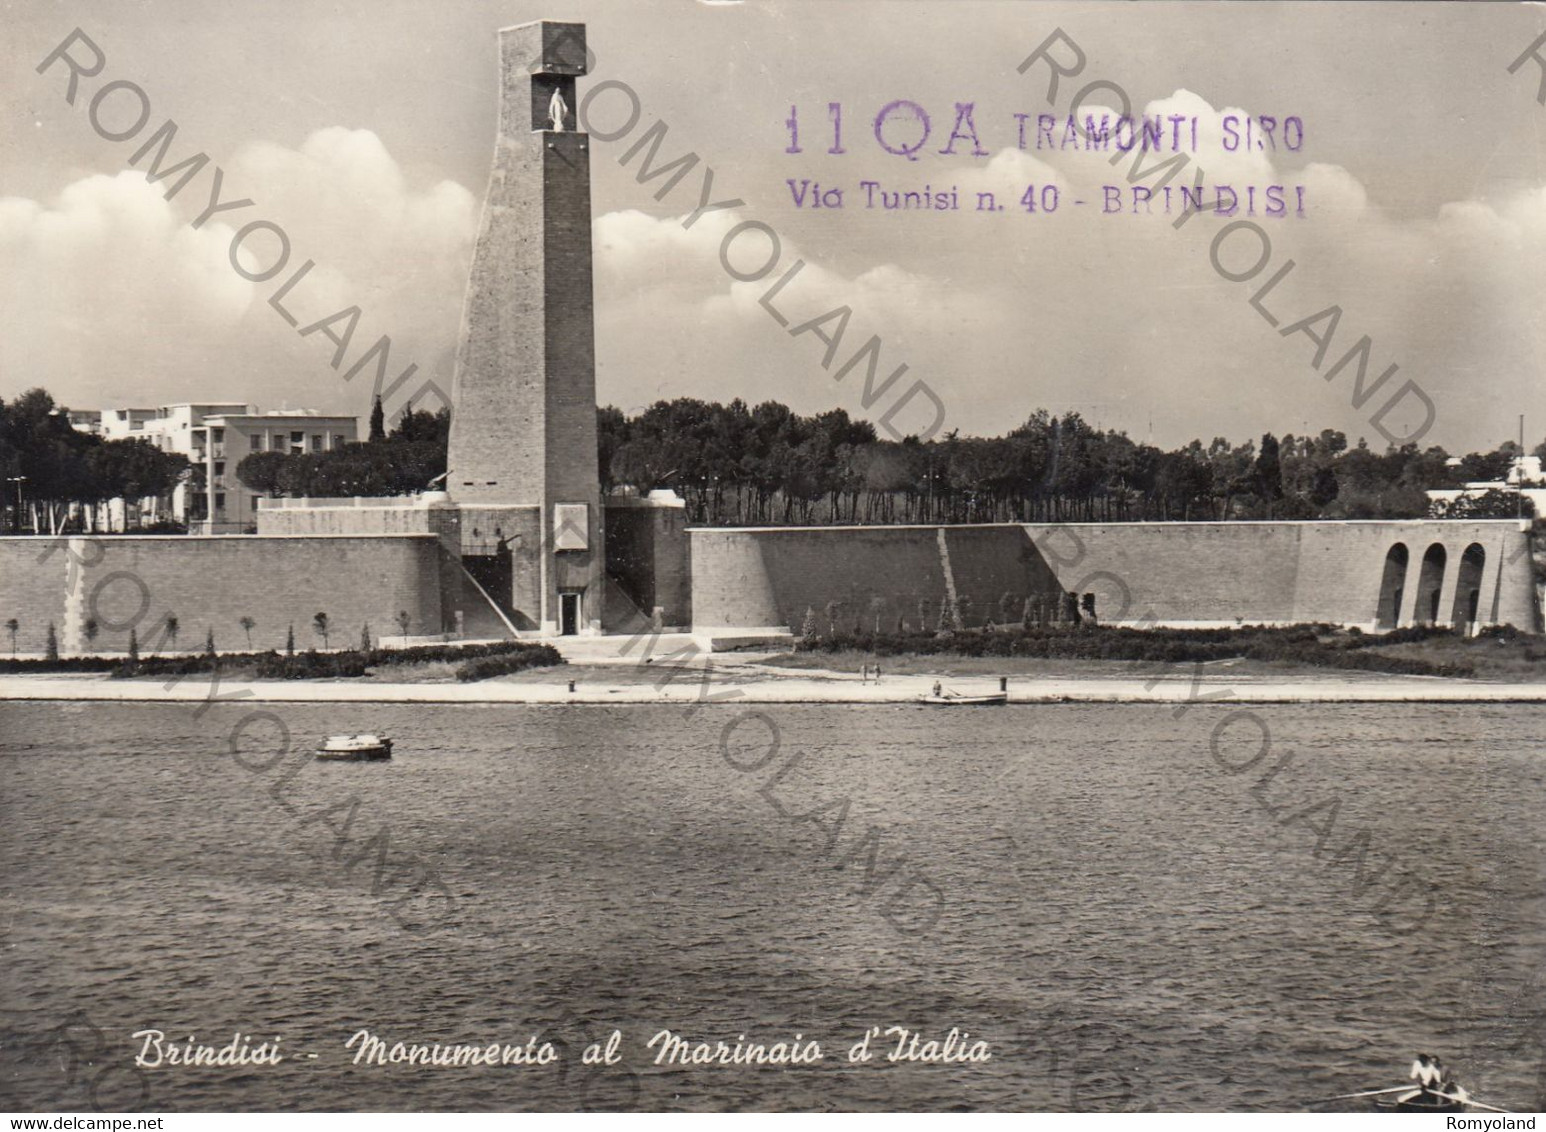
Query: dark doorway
{"type": "Point", "coordinates": [1468, 585]}
{"type": "Point", "coordinates": [1430, 583]}
{"type": "Point", "coordinates": [491, 603]}
{"type": "Point", "coordinates": [1392, 585]}
{"type": "Point", "coordinates": [569, 614]}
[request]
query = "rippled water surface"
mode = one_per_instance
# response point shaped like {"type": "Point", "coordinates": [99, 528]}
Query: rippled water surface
{"type": "Point", "coordinates": [1087, 888]}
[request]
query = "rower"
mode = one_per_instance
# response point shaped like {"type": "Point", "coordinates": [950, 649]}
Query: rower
{"type": "Point", "coordinates": [1425, 1071]}
{"type": "Point", "coordinates": [1445, 1085]}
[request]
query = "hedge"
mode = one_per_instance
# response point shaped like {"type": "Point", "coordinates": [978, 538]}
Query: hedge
{"type": "Point", "coordinates": [484, 667]}
{"type": "Point", "coordinates": [1302, 644]}
{"type": "Point", "coordinates": [275, 665]}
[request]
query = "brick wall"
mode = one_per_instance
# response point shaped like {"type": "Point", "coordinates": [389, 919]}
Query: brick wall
{"type": "Point", "coordinates": [344, 520]}
{"type": "Point", "coordinates": [32, 589]}
{"type": "Point", "coordinates": [1223, 573]}
{"type": "Point", "coordinates": [210, 583]}
{"type": "Point", "coordinates": [768, 577]}
{"type": "Point", "coordinates": [1170, 573]}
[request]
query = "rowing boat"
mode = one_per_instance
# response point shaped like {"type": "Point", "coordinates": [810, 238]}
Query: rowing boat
{"type": "Point", "coordinates": [1423, 1102]}
{"type": "Point", "coordinates": [355, 748]}
{"type": "Point", "coordinates": [956, 699]}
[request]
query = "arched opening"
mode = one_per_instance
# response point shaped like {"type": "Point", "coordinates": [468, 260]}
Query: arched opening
{"type": "Point", "coordinates": [1388, 613]}
{"type": "Point", "coordinates": [1430, 582]}
{"type": "Point", "coordinates": [1468, 586]}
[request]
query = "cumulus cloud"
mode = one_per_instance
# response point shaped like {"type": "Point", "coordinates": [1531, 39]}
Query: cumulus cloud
{"type": "Point", "coordinates": [1121, 316]}
{"type": "Point", "coordinates": [113, 297]}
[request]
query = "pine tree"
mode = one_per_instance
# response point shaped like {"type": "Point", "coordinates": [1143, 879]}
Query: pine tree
{"type": "Point", "coordinates": [134, 646]}
{"type": "Point", "coordinates": [377, 422]}
{"type": "Point", "coordinates": [1325, 488]}
{"type": "Point", "coordinates": [808, 630]}
{"type": "Point", "coordinates": [51, 650]}
{"type": "Point", "coordinates": [209, 642]}
{"type": "Point", "coordinates": [365, 638]}
{"type": "Point", "coordinates": [290, 641]}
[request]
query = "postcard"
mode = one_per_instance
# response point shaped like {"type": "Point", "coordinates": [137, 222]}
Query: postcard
{"type": "Point", "coordinates": [772, 556]}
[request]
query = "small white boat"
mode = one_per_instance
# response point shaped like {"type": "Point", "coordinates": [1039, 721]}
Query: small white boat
{"type": "Point", "coordinates": [355, 748]}
{"type": "Point", "coordinates": [959, 699]}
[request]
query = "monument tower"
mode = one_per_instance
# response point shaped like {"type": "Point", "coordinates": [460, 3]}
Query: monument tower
{"type": "Point", "coordinates": [522, 459]}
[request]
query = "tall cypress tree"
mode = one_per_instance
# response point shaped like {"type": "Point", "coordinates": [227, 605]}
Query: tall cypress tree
{"type": "Point", "coordinates": [1268, 474]}
{"type": "Point", "coordinates": [377, 422]}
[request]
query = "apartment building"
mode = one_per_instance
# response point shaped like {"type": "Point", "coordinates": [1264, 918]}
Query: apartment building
{"type": "Point", "coordinates": [222, 440]}
{"type": "Point", "coordinates": [215, 436]}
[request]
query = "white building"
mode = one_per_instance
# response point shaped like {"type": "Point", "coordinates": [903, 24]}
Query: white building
{"type": "Point", "coordinates": [1524, 476]}
{"type": "Point", "coordinates": [215, 436]}
{"type": "Point", "coordinates": [222, 440]}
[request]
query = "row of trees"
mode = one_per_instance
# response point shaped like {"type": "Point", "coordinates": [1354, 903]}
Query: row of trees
{"type": "Point", "coordinates": [767, 464]}
{"type": "Point", "coordinates": [738, 464]}
{"type": "Point", "coordinates": [52, 470]}
{"type": "Point", "coordinates": [170, 626]}
{"type": "Point", "coordinates": [404, 461]}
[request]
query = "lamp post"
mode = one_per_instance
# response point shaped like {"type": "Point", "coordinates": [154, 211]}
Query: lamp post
{"type": "Point", "coordinates": [18, 481]}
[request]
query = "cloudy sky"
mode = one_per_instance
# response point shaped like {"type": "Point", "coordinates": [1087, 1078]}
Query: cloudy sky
{"type": "Point", "coordinates": [364, 130]}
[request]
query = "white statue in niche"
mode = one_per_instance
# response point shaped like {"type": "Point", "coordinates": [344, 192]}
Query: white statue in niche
{"type": "Point", "coordinates": [557, 108]}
